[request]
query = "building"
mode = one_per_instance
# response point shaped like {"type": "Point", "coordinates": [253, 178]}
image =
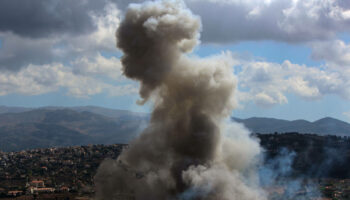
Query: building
{"type": "Point", "coordinates": [37, 184]}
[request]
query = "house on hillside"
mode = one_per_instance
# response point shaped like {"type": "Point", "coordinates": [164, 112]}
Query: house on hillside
{"type": "Point", "coordinates": [14, 193]}
{"type": "Point", "coordinates": [37, 183]}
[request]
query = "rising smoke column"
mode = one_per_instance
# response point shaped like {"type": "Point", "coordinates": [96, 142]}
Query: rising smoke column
{"type": "Point", "coordinates": [186, 151]}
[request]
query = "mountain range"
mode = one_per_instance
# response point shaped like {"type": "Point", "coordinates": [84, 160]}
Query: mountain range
{"type": "Point", "coordinates": [28, 128]}
{"type": "Point", "coordinates": [24, 128]}
{"type": "Point", "coordinates": [324, 126]}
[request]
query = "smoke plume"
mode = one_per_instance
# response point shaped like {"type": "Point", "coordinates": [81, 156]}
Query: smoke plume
{"type": "Point", "coordinates": [189, 149]}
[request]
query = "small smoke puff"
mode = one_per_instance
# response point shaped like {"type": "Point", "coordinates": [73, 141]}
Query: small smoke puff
{"type": "Point", "coordinates": [238, 145]}
{"type": "Point", "coordinates": [219, 183]}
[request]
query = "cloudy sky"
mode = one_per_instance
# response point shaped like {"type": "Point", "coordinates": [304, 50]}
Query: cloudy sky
{"type": "Point", "coordinates": [291, 57]}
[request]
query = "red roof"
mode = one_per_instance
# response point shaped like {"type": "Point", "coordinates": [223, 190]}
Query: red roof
{"type": "Point", "coordinates": [37, 181]}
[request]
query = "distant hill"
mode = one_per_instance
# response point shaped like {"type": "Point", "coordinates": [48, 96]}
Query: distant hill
{"type": "Point", "coordinates": [39, 128]}
{"type": "Point", "coordinates": [6, 109]}
{"type": "Point", "coordinates": [113, 113]}
{"type": "Point", "coordinates": [28, 128]}
{"type": "Point", "coordinates": [108, 112]}
{"type": "Point", "coordinates": [324, 126]}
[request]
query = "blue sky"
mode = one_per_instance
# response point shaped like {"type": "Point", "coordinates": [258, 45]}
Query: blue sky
{"type": "Point", "coordinates": [291, 58]}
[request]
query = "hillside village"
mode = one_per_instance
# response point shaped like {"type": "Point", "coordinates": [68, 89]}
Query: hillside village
{"type": "Point", "coordinates": [53, 171]}
{"type": "Point", "coordinates": [67, 173]}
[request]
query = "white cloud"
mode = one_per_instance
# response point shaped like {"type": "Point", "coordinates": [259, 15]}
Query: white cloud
{"type": "Point", "coordinates": [75, 62]}
{"type": "Point", "coordinates": [17, 51]}
{"type": "Point", "coordinates": [98, 66]}
{"type": "Point", "coordinates": [280, 20]}
{"type": "Point", "coordinates": [103, 38]}
{"type": "Point", "coordinates": [72, 62]}
{"type": "Point", "coordinates": [334, 52]}
{"type": "Point", "coordinates": [264, 99]}
{"type": "Point", "coordinates": [268, 83]}
{"type": "Point", "coordinates": [40, 79]}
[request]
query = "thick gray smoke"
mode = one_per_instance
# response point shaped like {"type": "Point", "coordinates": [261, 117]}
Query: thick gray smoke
{"type": "Point", "coordinates": [189, 150]}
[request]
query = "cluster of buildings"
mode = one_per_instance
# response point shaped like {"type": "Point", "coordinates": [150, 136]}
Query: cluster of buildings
{"type": "Point", "coordinates": [321, 189]}
{"type": "Point", "coordinates": [71, 170]}
{"type": "Point", "coordinates": [335, 189]}
{"type": "Point", "coordinates": [52, 170]}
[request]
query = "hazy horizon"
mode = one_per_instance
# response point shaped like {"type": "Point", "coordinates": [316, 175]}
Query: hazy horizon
{"type": "Point", "coordinates": [148, 112]}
